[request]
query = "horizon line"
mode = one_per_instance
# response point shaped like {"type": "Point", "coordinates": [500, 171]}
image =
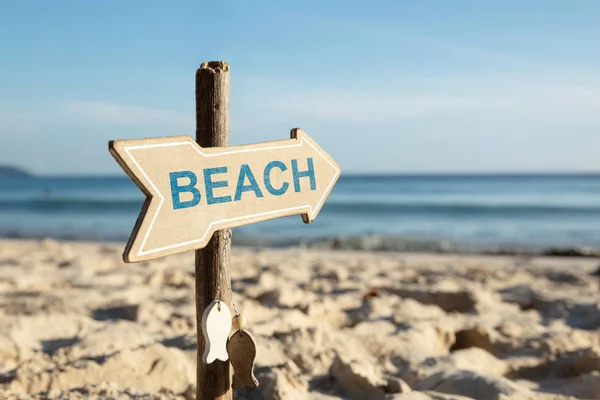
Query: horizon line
{"type": "Point", "coordinates": [369, 174]}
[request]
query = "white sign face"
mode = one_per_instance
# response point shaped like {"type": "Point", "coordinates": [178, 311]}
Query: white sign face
{"type": "Point", "coordinates": [191, 191]}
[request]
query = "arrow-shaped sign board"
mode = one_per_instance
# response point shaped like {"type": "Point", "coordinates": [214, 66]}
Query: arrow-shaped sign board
{"type": "Point", "coordinates": [192, 192]}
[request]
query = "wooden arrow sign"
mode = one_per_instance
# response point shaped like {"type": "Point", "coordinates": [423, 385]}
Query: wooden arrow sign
{"type": "Point", "coordinates": [193, 191]}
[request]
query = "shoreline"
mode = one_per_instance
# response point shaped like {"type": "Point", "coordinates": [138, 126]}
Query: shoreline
{"type": "Point", "coordinates": [367, 243]}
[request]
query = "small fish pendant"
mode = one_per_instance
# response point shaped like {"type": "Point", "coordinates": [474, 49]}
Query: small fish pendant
{"type": "Point", "coordinates": [242, 352]}
{"type": "Point", "coordinates": [216, 325]}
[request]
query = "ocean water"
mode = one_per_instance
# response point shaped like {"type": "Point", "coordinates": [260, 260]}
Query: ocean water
{"type": "Point", "coordinates": [523, 211]}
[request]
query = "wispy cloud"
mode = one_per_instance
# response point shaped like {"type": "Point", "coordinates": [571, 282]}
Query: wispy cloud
{"type": "Point", "coordinates": [118, 114]}
{"type": "Point", "coordinates": [12, 122]}
{"type": "Point", "coordinates": [98, 113]}
{"type": "Point", "coordinates": [536, 102]}
{"type": "Point", "coordinates": [393, 35]}
{"type": "Point", "coordinates": [348, 106]}
{"type": "Point", "coordinates": [500, 99]}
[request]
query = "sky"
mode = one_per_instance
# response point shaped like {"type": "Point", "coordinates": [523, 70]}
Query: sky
{"type": "Point", "coordinates": [383, 86]}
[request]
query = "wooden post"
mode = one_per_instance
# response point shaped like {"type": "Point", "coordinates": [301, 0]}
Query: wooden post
{"type": "Point", "coordinates": [212, 130]}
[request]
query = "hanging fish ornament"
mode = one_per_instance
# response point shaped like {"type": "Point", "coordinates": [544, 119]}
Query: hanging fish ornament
{"type": "Point", "coordinates": [216, 325]}
{"type": "Point", "coordinates": [242, 352]}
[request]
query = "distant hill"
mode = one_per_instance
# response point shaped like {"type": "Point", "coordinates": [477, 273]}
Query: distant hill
{"type": "Point", "coordinates": [13, 172]}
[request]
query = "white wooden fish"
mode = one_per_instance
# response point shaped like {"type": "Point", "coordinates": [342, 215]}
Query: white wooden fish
{"type": "Point", "coordinates": [216, 325]}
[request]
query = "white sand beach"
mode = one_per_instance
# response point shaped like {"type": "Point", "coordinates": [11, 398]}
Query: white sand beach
{"type": "Point", "coordinates": [78, 323]}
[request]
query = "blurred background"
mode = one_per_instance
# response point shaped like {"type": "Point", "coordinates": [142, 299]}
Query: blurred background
{"type": "Point", "coordinates": [458, 125]}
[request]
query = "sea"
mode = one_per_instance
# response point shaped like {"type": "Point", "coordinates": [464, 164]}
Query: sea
{"type": "Point", "coordinates": [380, 212]}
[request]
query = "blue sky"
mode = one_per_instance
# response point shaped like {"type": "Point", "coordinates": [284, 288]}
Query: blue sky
{"type": "Point", "coordinates": [383, 86]}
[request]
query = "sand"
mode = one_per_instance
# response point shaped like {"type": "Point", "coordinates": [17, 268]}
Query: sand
{"type": "Point", "coordinates": [78, 323]}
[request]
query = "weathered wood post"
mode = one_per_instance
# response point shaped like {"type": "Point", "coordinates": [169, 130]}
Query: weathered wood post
{"type": "Point", "coordinates": [212, 130]}
{"type": "Point", "coordinates": [296, 176]}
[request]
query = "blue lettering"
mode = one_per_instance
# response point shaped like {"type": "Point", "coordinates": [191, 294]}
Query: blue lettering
{"type": "Point", "coordinates": [176, 189]}
{"type": "Point", "coordinates": [210, 185]}
{"type": "Point", "coordinates": [245, 171]}
{"type": "Point", "coordinates": [310, 173]}
{"type": "Point", "coordinates": [267, 176]}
